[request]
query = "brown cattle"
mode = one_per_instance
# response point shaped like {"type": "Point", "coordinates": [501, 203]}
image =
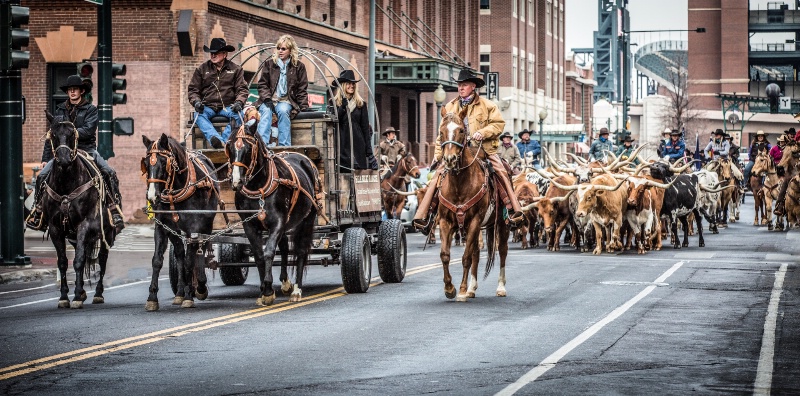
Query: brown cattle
{"type": "Point", "coordinates": [645, 197]}
{"type": "Point", "coordinates": [527, 193]}
{"type": "Point", "coordinates": [554, 210]}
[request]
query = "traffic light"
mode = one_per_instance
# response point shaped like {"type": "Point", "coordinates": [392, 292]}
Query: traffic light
{"type": "Point", "coordinates": [85, 71]}
{"type": "Point", "coordinates": [13, 37]}
{"type": "Point", "coordinates": [118, 84]}
{"type": "Point", "coordinates": [627, 104]}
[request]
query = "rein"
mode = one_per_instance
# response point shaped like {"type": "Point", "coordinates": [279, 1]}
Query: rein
{"type": "Point", "coordinates": [73, 151]}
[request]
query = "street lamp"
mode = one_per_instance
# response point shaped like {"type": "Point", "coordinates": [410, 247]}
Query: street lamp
{"type": "Point", "coordinates": [439, 97]}
{"type": "Point", "coordinates": [542, 116]}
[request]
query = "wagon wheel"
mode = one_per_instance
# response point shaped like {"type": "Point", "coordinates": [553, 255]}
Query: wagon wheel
{"type": "Point", "coordinates": [232, 276]}
{"type": "Point", "coordinates": [356, 260]}
{"type": "Point", "coordinates": [392, 251]}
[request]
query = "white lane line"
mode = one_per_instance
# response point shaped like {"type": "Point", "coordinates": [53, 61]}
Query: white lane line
{"type": "Point", "coordinates": [72, 295]}
{"type": "Point", "coordinates": [550, 361]}
{"type": "Point", "coordinates": [28, 289]}
{"type": "Point", "coordinates": [763, 385]}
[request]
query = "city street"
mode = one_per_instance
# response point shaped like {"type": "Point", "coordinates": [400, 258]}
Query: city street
{"type": "Point", "coordinates": [669, 322]}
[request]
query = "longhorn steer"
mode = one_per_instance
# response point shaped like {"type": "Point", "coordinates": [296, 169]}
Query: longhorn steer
{"type": "Point", "coordinates": [645, 199]}
{"type": "Point", "coordinates": [528, 193]}
{"type": "Point", "coordinates": [554, 210]}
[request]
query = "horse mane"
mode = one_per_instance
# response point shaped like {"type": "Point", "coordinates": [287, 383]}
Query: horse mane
{"type": "Point", "coordinates": [177, 150]}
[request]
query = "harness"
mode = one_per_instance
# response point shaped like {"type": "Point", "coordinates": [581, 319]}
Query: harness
{"type": "Point", "coordinates": [168, 194]}
{"type": "Point", "coordinates": [66, 200]}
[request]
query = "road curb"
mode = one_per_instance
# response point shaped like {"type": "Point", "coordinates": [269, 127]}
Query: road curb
{"type": "Point", "coordinates": [27, 275]}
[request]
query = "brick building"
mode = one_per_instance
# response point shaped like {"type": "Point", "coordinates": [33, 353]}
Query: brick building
{"type": "Point", "coordinates": [579, 97]}
{"type": "Point", "coordinates": [410, 35]}
{"type": "Point", "coordinates": [523, 41]}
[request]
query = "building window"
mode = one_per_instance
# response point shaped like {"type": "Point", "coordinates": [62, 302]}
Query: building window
{"type": "Point", "coordinates": [522, 72]}
{"type": "Point", "coordinates": [485, 68]}
{"type": "Point", "coordinates": [514, 7]}
{"type": "Point", "coordinates": [484, 4]}
{"type": "Point", "coordinates": [530, 12]}
{"type": "Point", "coordinates": [555, 20]}
{"type": "Point", "coordinates": [530, 76]}
{"type": "Point", "coordinates": [548, 88]}
{"type": "Point", "coordinates": [521, 10]}
{"type": "Point", "coordinates": [411, 125]}
{"type": "Point", "coordinates": [514, 71]}
{"type": "Point", "coordinates": [547, 17]}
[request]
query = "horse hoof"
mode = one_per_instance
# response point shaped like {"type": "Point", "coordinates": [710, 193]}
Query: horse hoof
{"type": "Point", "coordinates": [500, 293]}
{"type": "Point", "coordinates": [178, 300]}
{"type": "Point", "coordinates": [286, 287]}
{"type": "Point", "coordinates": [685, 245]}
{"type": "Point", "coordinates": [461, 298]}
{"type": "Point", "coordinates": [83, 296]}
{"type": "Point", "coordinates": [450, 294]}
{"type": "Point", "coordinates": [188, 303]}
{"type": "Point", "coordinates": [63, 304]}
{"type": "Point", "coordinates": [98, 300]}
{"type": "Point", "coordinates": [296, 297]}
{"type": "Point", "coordinates": [470, 294]}
{"type": "Point", "coordinates": [201, 296]}
{"type": "Point", "coordinates": [265, 301]}
{"type": "Point", "coordinates": [702, 244]}
{"type": "Point", "coordinates": [76, 305]}
{"type": "Point", "coordinates": [151, 306]}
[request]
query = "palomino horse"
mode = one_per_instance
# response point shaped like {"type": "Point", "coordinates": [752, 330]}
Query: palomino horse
{"type": "Point", "coordinates": [282, 188]}
{"type": "Point", "coordinates": [765, 167]}
{"type": "Point", "coordinates": [74, 210]}
{"type": "Point", "coordinates": [756, 187]}
{"type": "Point", "coordinates": [179, 180]}
{"type": "Point", "coordinates": [723, 169]}
{"type": "Point", "coordinates": [467, 201]}
{"type": "Point", "coordinates": [394, 180]}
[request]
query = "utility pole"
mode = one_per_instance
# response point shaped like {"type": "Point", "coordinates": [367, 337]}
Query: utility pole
{"type": "Point", "coordinates": [105, 114]}
{"type": "Point", "coordinates": [626, 68]}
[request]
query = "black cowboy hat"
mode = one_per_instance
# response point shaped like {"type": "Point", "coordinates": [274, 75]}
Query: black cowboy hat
{"type": "Point", "coordinates": [675, 132]}
{"type": "Point", "coordinates": [719, 132]}
{"type": "Point", "coordinates": [76, 81]}
{"type": "Point", "coordinates": [347, 76]}
{"type": "Point", "coordinates": [390, 129]}
{"type": "Point", "coordinates": [628, 139]}
{"type": "Point", "coordinates": [792, 131]}
{"type": "Point", "coordinates": [217, 45]}
{"type": "Point", "coordinates": [524, 131]}
{"type": "Point", "coordinates": [469, 75]}
{"type": "Point", "coordinates": [506, 134]}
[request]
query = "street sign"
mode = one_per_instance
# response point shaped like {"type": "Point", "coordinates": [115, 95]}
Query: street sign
{"type": "Point", "coordinates": [786, 103]}
{"type": "Point", "coordinates": [98, 2]}
{"type": "Point", "coordinates": [492, 79]}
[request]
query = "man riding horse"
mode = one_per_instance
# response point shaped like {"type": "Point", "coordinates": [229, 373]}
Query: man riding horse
{"type": "Point", "coordinates": [84, 116]}
{"type": "Point", "coordinates": [484, 124]}
{"type": "Point", "coordinates": [390, 149]}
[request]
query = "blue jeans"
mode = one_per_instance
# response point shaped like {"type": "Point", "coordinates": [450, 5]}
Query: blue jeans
{"type": "Point", "coordinates": [205, 125]}
{"type": "Point", "coordinates": [284, 123]}
{"type": "Point", "coordinates": [747, 170]}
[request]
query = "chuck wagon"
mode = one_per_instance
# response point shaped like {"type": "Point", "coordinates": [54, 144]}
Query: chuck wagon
{"type": "Point", "coordinates": [349, 229]}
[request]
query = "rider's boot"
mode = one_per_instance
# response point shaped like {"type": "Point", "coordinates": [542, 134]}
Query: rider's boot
{"type": "Point", "coordinates": [423, 219]}
{"type": "Point", "coordinates": [115, 202]}
{"type": "Point", "coordinates": [35, 220]}
{"type": "Point", "coordinates": [515, 216]}
{"type": "Point", "coordinates": [779, 204]}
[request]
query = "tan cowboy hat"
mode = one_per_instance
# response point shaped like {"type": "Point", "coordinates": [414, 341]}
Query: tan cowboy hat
{"type": "Point", "coordinates": [781, 138]}
{"type": "Point", "coordinates": [760, 133]}
{"type": "Point", "coordinates": [390, 129]}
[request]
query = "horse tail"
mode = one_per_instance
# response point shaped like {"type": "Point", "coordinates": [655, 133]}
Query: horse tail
{"type": "Point", "coordinates": [491, 245]}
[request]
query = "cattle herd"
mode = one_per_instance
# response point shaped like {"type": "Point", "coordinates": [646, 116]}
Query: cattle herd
{"type": "Point", "coordinates": [608, 206]}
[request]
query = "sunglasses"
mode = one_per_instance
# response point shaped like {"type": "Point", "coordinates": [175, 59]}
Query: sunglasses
{"type": "Point", "coordinates": [282, 48]}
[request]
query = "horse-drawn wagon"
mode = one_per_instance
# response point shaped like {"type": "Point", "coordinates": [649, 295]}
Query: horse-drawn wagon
{"type": "Point", "coordinates": [348, 230]}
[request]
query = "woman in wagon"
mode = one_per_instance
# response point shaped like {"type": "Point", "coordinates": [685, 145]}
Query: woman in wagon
{"type": "Point", "coordinates": [282, 90]}
{"type": "Point", "coordinates": [217, 88]}
{"type": "Point", "coordinates": [479, 112]}
{"type": "Point", "coordinates": [83, 115]}
{"type": "Point", "coordinates": [352, 111]}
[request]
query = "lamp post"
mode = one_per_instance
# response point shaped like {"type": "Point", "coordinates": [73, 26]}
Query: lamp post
{"type": "Point", "coordinates": [439, 97]}
{"type": "Point", "coordinates": [542, 116]}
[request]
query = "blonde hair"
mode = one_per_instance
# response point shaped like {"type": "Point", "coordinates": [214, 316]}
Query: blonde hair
{"type": "Point", "coordinates": [289, 42]}
{"type": "Point", "coordinates": [340, 94]}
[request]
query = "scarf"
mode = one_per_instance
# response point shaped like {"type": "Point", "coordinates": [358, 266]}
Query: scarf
{"type": "Point", "coordinates": [466, 101]}
{"type": "Point", "coordinates": [351, 104]}
{"type": "Point", "coordinates": [72, 109]}
{"type": "Point", "coordinates": [507, 145]}
{"type": "Point", "coordinates": [281, 88]}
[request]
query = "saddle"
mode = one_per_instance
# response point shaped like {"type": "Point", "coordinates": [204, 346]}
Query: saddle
{"type": "Point", "coordinates": [96, 181]}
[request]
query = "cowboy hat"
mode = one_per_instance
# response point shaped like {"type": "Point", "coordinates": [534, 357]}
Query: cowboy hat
{"type": "Point", "coordinates": [217, 45]}
{"type": "Point", "coordinates": [524, 131]}
{"type": "Point", "coordinates": [506, 134]}
{"type": "Point", "coordinates": [760, 133]}
{"type": "Point", "coordinates": [76, 81]}
{"type": "Point", "coordinates": [347, 76]}
{"type": "Point", "coordinates": [469, 75]}
{"type": "Point", "coordinates": [676, 132]}
{"type": "Point", "coordinates": [390, 129]}
{"type": "Point", "coordinates": [781, 138]}
{"type": "Point", "coordinates": [792, 131]}
{"type": "Point", "coordinates": [628, 139]}
{"type": "Point", "coordinates": [603, 131]}
{"type": "Point", "coordinates": [719, 132]}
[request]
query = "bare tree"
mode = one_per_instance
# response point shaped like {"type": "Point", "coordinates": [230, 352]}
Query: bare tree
{"type": "Point", "coordinates": [683, 111]}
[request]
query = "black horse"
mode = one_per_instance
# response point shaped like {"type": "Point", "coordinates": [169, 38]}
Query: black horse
{"type": "Point", "coordinates": [282, 187]}
{"type": "Point", "coordinates": [179, 180]}
{"type": "Point", "coordinates": [74, 210]}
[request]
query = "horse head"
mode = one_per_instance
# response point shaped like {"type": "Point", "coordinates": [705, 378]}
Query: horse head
{"type": "Point", "coordinates": [243, 150]}
{"type": "Point", "coordinates": [63, 138]}
{"type": "Point", "coordinates": [762, 164]}
{"type": "Point", "coordinates": [160, 164]}
{"type": "Point", "coordinates": [409, 165]}
{"type": "Point", "coordinates": [452, 128]}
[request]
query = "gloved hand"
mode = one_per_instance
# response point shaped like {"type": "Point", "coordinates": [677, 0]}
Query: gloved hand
{"type": "Point", "coordinates": [199, 106]}
{"type": "Point", "coordinates": [666, 158]}
{"type": "Point", "coordinates": [270, 105]}
{"type": "Point", "coordinates": [236, 107]}
{"type": "Point", "coordinates": [373, 163]}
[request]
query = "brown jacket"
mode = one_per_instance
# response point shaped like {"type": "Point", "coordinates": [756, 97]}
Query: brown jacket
{"type": "Point", "coordinates": [296, 84]}
{"type": "Point", "coordinates": [391, 150]}
{"type": "Point", "coordinates": [206, 81]}
{"type": "Point", "coordinates": [484, 117]}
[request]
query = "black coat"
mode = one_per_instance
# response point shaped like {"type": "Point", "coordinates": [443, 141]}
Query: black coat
{"type": "Point", "coordinates": [362, 137]}
{"type": "Point", "coordinates": [86, 123]}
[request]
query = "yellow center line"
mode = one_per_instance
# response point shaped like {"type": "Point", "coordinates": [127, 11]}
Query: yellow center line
{"type": "Point", "coordinates": [177, 331]}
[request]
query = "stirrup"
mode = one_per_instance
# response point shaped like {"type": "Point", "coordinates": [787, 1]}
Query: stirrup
{"type": "Point", "coordinates": [516, 217]}
{"type": "Point", "coordinates": [35, 220]}
{"type": "Point", "coordinates": [423, 225]}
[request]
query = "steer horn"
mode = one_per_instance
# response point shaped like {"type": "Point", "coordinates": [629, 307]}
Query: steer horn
{"type": "Point", "coordinates": [660, 185]}
{"type": "Point", "coordinates": [404, 193]}
{"type": "Point", "coordinates": [554, 163]}
{"type": "Point", "coordinates": [561, 199]}
{"type": "Point", "coordinates": [609, 188]}
{"type": "Point", "coordinates": [563, 187]}
{"type": "Point", "coordinates": [682, 168]}
{"type": "Point", "coordinates": [716, 190]}
{"type": "Point", "coordinates": [532, 204]}
{"type": "Point", "coordinates": [577, 159]}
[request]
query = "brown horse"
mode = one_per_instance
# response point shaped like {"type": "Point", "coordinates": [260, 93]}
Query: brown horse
{"type": "Point", "coordinates": [468, 202]}
{"type": "Point", "coordinates": [765, 167]}
{"type": "Point", "coordinates": [395, 180]}
{"type": "Point", "coordinates": [758, 190]}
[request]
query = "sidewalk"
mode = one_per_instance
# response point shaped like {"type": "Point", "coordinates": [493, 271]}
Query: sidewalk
{"type": "Point", "coordinates": [134, 238]}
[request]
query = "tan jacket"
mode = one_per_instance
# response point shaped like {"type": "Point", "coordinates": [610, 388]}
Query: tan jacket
{"type": "Point", "coordinates": [391, 150]}
{"type": "Point", "coordinates": [484, 117]}
{"type": "Point", "coordinates": [511, 155]}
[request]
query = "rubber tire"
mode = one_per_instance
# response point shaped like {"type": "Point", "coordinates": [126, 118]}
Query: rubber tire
{"type": "Point", "coordinates": [232, 276]}
{"type": "Point", "coordinates": [356, 260]}
{"type": "Point", "coordinates": [173, 270]}
{"type": "Point", "coordinates": [392, 260]}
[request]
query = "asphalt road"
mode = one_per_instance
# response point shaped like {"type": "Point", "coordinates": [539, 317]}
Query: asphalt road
{"type": "Point", "coordinates": [669, 322]}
